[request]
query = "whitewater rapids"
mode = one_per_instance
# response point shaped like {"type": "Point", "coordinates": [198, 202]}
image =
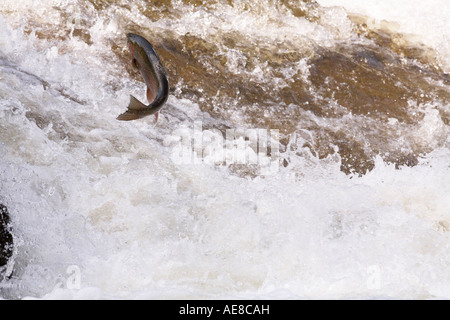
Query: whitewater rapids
{"type": "Point", "coordinates": [100, 209]}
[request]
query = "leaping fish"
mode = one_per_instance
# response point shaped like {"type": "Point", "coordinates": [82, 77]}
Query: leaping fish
{"type": "Point", "coordinates": [145, 59]}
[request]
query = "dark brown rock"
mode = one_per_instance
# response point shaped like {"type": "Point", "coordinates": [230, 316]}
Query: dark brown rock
{"type": "Point", "coordinates": [6, 239]}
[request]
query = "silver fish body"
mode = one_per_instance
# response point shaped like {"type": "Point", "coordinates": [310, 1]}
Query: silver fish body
{"type": "Point", "coordinates": [146, 60]}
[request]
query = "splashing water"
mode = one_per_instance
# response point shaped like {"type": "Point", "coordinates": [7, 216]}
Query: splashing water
{"type": "Point", "coordinates": [358, 205]}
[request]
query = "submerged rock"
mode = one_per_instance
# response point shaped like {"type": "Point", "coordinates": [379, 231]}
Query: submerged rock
{"type": "Point", "coordinates": [6, 240]}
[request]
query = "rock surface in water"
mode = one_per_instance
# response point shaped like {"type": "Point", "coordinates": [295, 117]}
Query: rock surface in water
{"type": "Point", "coordinates": [6, 239]}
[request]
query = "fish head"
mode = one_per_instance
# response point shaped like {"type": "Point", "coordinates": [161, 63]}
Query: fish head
{"type": "Point", "coordinates": [131, 43]}
{"type": "Point", "coordinates": [138, 47]}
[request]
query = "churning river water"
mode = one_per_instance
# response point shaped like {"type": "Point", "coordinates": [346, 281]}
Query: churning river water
{"type": "Point", "coordinates": [304, 151]}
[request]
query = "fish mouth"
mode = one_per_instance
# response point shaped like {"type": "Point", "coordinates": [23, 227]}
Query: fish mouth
{"type": "Point", "coordinates": [132, 36]}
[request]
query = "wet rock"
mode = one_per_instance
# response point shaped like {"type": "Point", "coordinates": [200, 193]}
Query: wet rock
{"type": "Point", "coordinates": [6, 240]}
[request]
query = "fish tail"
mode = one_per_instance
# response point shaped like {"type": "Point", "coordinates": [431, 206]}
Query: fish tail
{"type": "Point", "coordinates": [128, 116]}
{"type": "Point", "coordinates": [134, 111]}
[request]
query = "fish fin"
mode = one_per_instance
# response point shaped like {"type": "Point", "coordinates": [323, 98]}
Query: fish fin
{"type": "Point", "coordinates": [136, 105]}
{"type": "Point", "coordinates": [127, 116]}
{"type": "Point", "coordinates": [135, 64]}
{"type": "Point", "coordinates": [150, 95]}
{"type": "Point", "coordinates": [131, 114]}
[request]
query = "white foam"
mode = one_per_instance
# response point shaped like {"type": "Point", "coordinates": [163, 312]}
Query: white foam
{"type": "Point", "coordinates": [428, 21]}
